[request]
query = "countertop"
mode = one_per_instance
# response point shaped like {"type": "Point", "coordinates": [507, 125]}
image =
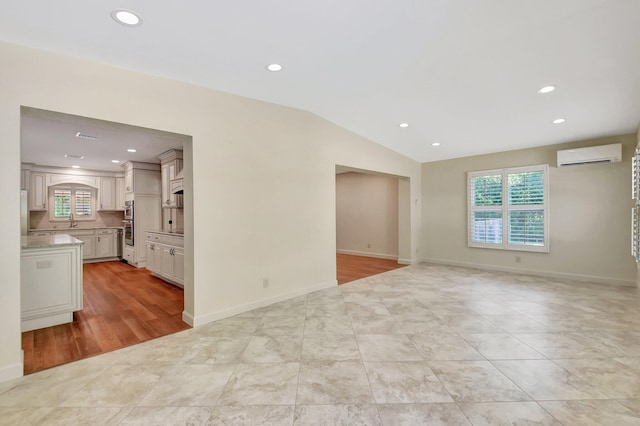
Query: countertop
{"type": "Point", "coordinates": [55, 240]}
{"type": "Point", "coordinates": [65, 229]}
{"type": "Point", "coordinates": [177, 232]}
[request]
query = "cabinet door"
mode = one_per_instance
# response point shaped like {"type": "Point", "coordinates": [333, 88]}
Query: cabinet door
{"type": "Point", "coordinates": [89, 247]}
{"type": "Point", "coordinates": [150, 265]}
{"type": "Point", "coordinates": [167, 261]}
{"type": "Point", "coordinates": [24, 179]}
{"type": "Point", "coordinates": [178, 265]}
{"type": "Point", "coordinates": [107, 193]}
{"type": "Point", "coordinates": [38, 192]}
{"type": "Point", "coordinates": [158, 258]}
{"type": "Point", "coordinates": [120, 198]}
{"type": "Point", "coordinates": [106, 246]}
{"type": "Point", "coordinates": [169, 171]}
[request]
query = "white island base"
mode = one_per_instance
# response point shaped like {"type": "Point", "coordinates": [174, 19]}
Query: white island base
{"type": "Point", "coordinates": [51, 280]}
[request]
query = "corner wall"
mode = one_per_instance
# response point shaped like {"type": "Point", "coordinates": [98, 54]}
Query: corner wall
{"type": "Point", "coordinates": [262, 186]}
{"type": "Point", "coordinates": [589, 215]}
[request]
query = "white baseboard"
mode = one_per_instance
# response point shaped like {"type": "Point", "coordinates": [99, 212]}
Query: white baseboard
{"type": "Point", "coordinates": [405, 261]}
{"type": "Point", "coordinates": [215, 316]}
{"type": "Point", "coordinates": [187, 317]}
{"type": "Point", "coordinates": [11, 372]}
{"type": "Point", "coordinates": [536, 272]}
{"type": "Point", "coordinates": [367, 254]}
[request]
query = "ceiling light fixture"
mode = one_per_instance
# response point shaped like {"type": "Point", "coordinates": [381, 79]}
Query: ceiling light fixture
{"type": "Point", "coordinates": [435, 144]}
{"type": "Point", "coordinates": [131, 150]}
{"type": "Point", "coordinates": [85, 136]}
{"type": "Point", "coordinates": [546, 89]}
{"type": "Point", "coordinates": [274, 67]}
{"type": "Point", "coordinates": [75, 167]}
{"type": "Point", "coordinates": [125, 17]}
{"type": "Point", "coordinates": [404, 125]}
{"type": "Point", "coordinates": [115, 161]}
{"type": "Point", "coordinates": [559, 121]}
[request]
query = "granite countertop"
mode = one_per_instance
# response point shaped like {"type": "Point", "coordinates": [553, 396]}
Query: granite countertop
{"type": "Point", "coordinates": [56, 240]}
{"type": "Point", "coordinates": [65, 229]}
{"type": "Point", "coordinates": [177, 232]}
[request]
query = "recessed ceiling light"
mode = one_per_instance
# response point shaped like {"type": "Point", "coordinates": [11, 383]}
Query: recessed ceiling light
{"type": "Point", "coordinates": [115, 161]}
{"type": "Point", "coordinates": [126, 17]}
{"type": "Point", "coordinates": [274, 67]}
{"type": "Point", "coordinates": [75, 167]}
{"type": "Point", "coordinates": [546, 89]}
{"type": "Point", "coordinates": [404, 125]}
{"type": "Point", "coordinates": [435, 144]}
{"type": "Point", "coordinates": [559, 121]}
{"type": "Point", "coordinates": [131, 150]}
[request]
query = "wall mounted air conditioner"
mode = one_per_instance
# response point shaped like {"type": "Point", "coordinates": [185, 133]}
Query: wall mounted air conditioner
{"type": "Point", "coordinates": [590, 155]}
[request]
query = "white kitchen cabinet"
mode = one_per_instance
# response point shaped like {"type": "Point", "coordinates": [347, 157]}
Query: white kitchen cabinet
{"type": "Point", "coordinates": [107, 193]}
{"type": "Point", "coordinates": [165, 256]}
{"type": "Point", "coordinates": [38, 191]}
{"type": "Point", "coordinates": [120, 193]}
{"type": "Point", "coordinates": [50, 282]}
{"type": "Point", "coordinates": [128, 181]}
{"type": "Point", "coordinates": [105, 243]}
{"type": "Point", "coordinates": [24, 179]}
{"type": "Point", "coordinates": [171, 164]}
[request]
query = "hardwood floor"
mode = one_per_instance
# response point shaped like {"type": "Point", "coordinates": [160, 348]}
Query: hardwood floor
{"type": "Point", "coordinates": [351, 268]}
{"type": "Point", "coordinates": [123, 305]}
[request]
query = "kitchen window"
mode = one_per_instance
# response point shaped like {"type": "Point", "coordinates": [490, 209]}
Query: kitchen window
{"type": "Point", "coordinates": [508, 208]}
{"type": "Point", "coordinates": [76, 200]}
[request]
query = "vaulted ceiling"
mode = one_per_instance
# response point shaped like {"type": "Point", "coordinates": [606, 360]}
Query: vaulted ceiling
{"type": "Point", "coordinates": [461, 73]}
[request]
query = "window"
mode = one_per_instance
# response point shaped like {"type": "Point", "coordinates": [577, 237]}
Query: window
{"type": "Point", "coordinates": [76, 200]}
{"type": "Point", "coordinates": [508, 209]}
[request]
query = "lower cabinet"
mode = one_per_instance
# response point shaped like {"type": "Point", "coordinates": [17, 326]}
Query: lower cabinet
{"type": "Point", "coordinates": [165, 256]}
{"type": "Point", "coordinates": [99, 244]}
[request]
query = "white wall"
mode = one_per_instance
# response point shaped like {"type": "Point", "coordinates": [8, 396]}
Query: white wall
{"type": "Point", "coordinates": [261, 185]}
{"type": "Point", "coordinates": [367, 214]}
{"type": "Point", "coordinates": [589, 216]}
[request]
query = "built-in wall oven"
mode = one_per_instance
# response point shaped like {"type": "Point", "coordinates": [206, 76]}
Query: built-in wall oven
{"type": "Point", "coordinates": [128, 223]}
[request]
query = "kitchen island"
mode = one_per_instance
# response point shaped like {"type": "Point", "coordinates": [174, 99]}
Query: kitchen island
{"type": "Point", "coordinates": [51, 280]}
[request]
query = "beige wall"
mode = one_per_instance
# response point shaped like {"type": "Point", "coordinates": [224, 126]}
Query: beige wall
{"type": "Point", "coordinates": [589, 215]}
{"type": "Point", "coordinates": [259, 182]}
{"type": "Point", "coordinates": [367, 214]}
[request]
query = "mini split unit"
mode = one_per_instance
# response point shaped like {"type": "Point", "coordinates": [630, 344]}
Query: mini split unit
{"type": "Point", "coordinates": [590, 155]}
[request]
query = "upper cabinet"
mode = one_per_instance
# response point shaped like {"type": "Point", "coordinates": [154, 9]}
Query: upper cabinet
{"type": "Point", "coordinates": [141, 178]}
{"type": "Point", "coordinates": [38, 191]}
{"type": "Point", "coordinates": [120, 191]}
{"type": "Point", "coordinates": [171, 164]}
{"type": "Point", "coordinates": [107, 194]}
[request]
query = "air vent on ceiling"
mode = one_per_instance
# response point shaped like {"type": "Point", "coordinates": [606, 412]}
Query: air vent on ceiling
{"type": "Point", "coordinates": [75, 157]}
{"type": "Point", "coordinates": [85, 136]}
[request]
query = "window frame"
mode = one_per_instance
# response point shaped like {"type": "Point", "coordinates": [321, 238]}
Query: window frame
{"type": "Point", "coordinates": [73, 189]}
{"type": "Point", "coordinates": [505, 208]}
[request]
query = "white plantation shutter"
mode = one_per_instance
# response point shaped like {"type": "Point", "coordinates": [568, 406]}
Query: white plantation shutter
{"type": "Point", "coordinates": [72, 199]}
{"type": "Point", "coordinates": [61, 203]}
{"type": "Point", "coordinates": [82, 203]}
{"type": "Point", "coordinates": [508, 208]}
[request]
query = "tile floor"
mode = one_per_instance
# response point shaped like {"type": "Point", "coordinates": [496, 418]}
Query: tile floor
{"type": "Point", "coordinates": [420, 345]}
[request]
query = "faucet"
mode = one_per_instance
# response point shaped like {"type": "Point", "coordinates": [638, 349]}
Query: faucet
{"type": "Point", "coordinates": [72, 223]}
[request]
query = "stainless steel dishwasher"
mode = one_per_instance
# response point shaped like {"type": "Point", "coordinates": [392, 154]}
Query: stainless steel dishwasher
{"type": "Point", "coordinates": [119, 238]}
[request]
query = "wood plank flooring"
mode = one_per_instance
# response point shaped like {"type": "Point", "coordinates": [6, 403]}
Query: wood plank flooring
{"type": "Point", "coordinates": [123, 305]}
{"type": "Point", "coordinates": [351, 268]}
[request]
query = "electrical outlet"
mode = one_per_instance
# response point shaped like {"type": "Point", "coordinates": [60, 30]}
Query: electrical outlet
{"type": "Point", "coordinates": [518, 259]}
{"type": "Point", "coordinates": [265, 282]}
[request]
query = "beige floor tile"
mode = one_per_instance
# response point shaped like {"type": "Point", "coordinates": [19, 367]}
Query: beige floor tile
{"type": "Point", "coordinates": [385, 347]}
{"type": "Point", "coordinates": [333, 382]}
{"type": "Point", "coordinates": [609, 376]}
{"type": "Point", "coordinates": [12, 416]}
{"type": "Point", "coordinates": [405, 382]}
{"type": "Point", "coordinates": [262, 384]}
{"type": "Point", "coordinates": [422, 414]}
{"type": "Point", "coordinates": [337, 415]}
{"type": "Point", "coordinates": [501, 346]}
{"type": "Point", "coordinates": [507, 413]}
{"type": "Point", "coordinates": [557, 345]}
{"type": "Point", "coordinates": [273, 349]}
{"type": "Point", "coordinates": [281, 326]}
{"type": "Point", "coordinates": [591, 413]}
{"type": "Point", "coordinates": [216, 350]}
{"type": "Point", "coordinates": [476, 381]}
{"type": "Point", "coordinates": [168, 416]}
{"type": "Point", "coordinates": [328, 324]}
{"type": "Point", "coordinates": [445, 347]}
{"type": "Point", "coordinates": [546, 380]}
{"type": "Point", "coordinates": [264, 415]}
{"type": "Point", "coordinates": [64, 416]}
{"type": "Point", "coordinates": [330, 347]}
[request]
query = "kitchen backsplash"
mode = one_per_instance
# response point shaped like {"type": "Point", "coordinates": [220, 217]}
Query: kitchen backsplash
{"type": "Point", "coordinates": [40, 220]}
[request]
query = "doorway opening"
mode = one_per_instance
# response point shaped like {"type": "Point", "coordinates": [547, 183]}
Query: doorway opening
{"type": "Point", "coordinates": [372, 214]}
{"type": "Point", "coordinates": [124, 303]}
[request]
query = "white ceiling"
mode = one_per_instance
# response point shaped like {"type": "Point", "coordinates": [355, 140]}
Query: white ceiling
{"type": "Point", "coordinates": [461, 72]}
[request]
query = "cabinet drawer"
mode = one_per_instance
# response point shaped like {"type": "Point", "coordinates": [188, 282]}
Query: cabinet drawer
{"type": "Point", "coordinates": [152, 237]}
{"type": "Point", "coordinates": [77, 232]}
{"type": "Point", "coordinates": [173, 241]}
{"type": "Point", "coordinates": [105, 231]}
